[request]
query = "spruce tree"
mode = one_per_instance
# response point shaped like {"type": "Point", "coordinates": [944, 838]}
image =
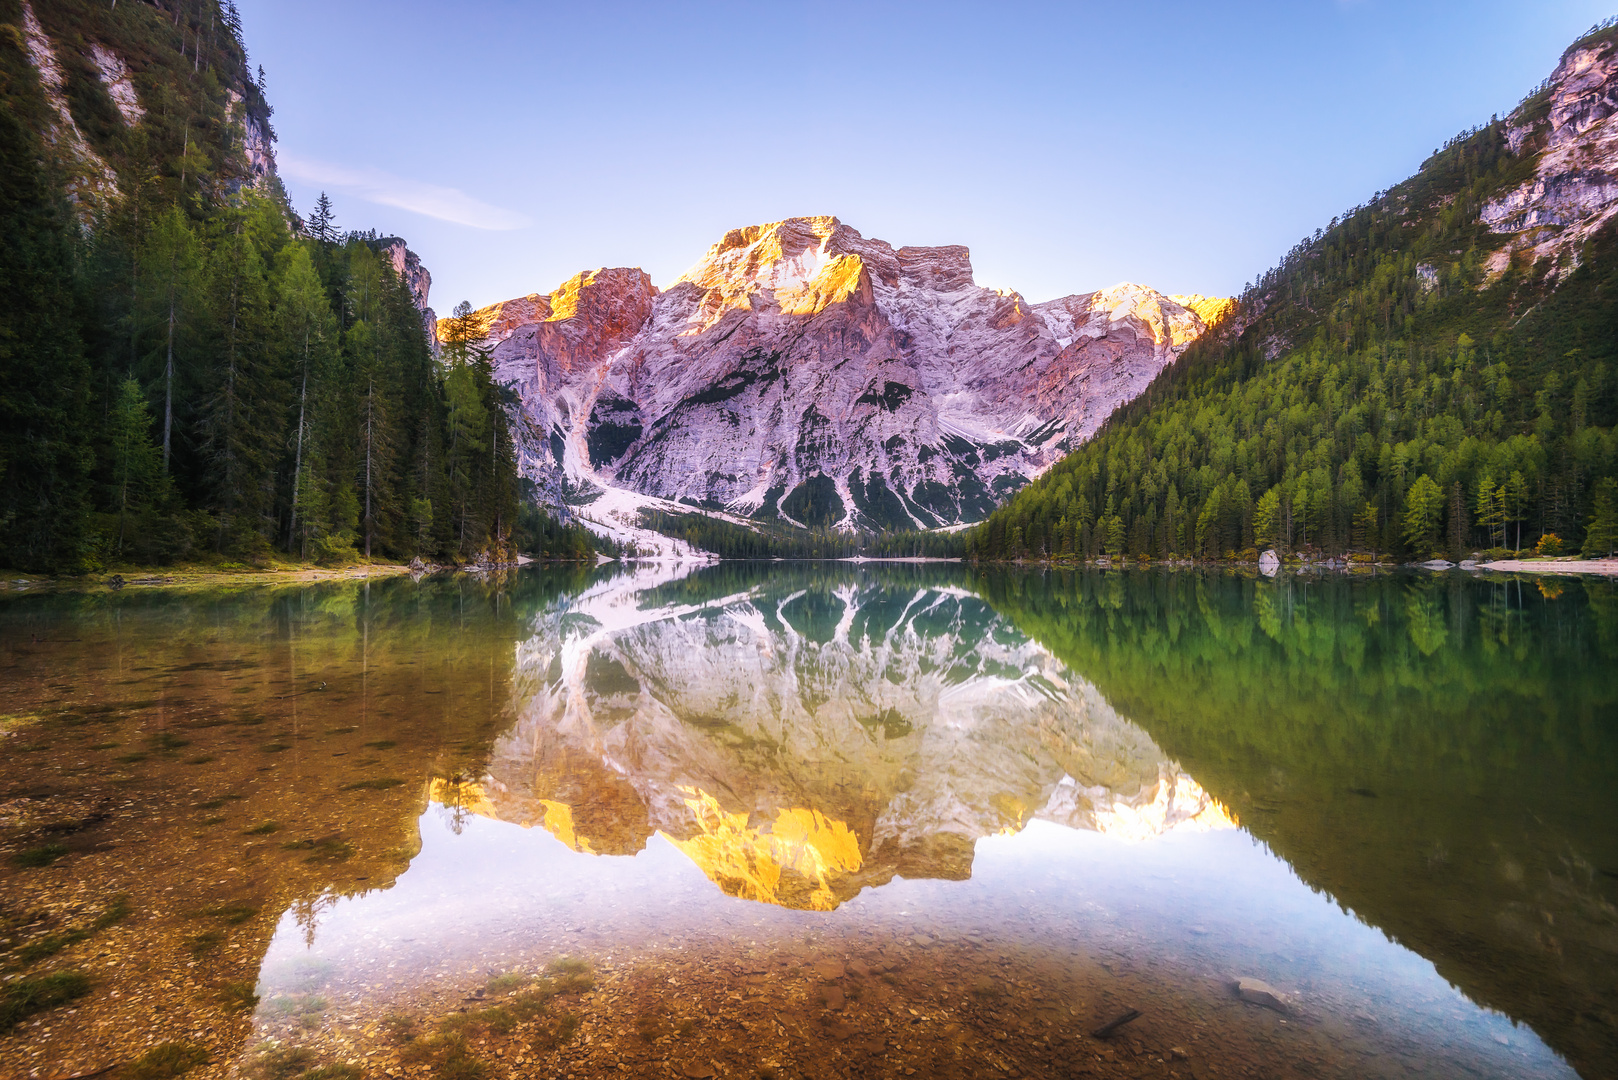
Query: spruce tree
{"type": "Point", "coordinates": [322, 224]}
{"type": "Point", "coordinates": [1458, 527]}
{"type": "Point", "coordinates": [1424, 504]}
{"type": "Point", "coordinates": [306, 324]}
{"type": "Point", "coordinates": [1601, 537]}
{"type": "Point", "coordinates": [44, 375]}
{"type": "Point", "coordinates": [170, 266]}
{"type": "Point", "coordinates": [243, 415]}
{"type": "Point", "coordinates": [138, 481]}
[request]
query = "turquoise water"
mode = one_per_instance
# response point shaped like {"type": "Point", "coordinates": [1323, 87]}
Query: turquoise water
{"type": "Point", "coordinates": [821, 819]}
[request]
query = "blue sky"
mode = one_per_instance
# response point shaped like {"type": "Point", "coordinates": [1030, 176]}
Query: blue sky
{"type": "Point", "coordinates": [1071, 146]}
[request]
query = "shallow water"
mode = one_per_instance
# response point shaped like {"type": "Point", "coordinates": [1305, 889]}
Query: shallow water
{"type": "Point", "coordinates": [816, 820]}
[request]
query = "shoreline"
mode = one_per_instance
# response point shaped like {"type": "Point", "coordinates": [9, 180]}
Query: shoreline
{"type": "Point", "coordinates": [194, 577]}
{"type": "Point", "coordinates": [1574, 567]}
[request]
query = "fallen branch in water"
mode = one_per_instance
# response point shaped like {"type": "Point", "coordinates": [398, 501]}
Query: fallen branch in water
{"type": "Point", "coordinates": [1115, 1023]}
{"type": "Point", "coordinates": [104, 1070]}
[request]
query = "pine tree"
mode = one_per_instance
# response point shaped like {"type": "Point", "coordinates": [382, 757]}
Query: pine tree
{"type": "Point", "coordinates": [306, 321]}
{"type": "Point", "coordinates": [244, 412]}
{"type": "Point", "coordinates": [1458, 527]}
{"type": "Point", "coordinates": [467, 443]}
{"type": "Point", "coordinates": [1514, 493]}
{"type": "Point", "coordinates": [1601, 537]}
{"type": "Point", "coordinates": [1491, 508]}
{"type": "Point", "coordinates": [44, 375]}
{"type": "Point", "coordinates": [170, 270]}
{"type": "Point", "coordinates": [1115, 535]}
{"type": "Point", "coordinates": [1423, 505]}
{"type": "Point", "coordinates": [1367, 526]}
{"type": "Point", "coordinates": [322, 224]}
{"type": "Point", "coordinates": [374, 344]}
{"type": "Point", "coordinates": [1266, 518]}
{"type": "Point", "coordinates": [139, 481]}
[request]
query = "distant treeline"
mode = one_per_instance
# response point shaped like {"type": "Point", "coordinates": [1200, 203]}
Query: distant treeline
{"type": "Point", "coordinates": [773, 541]}
{"type": "Point", "coordinates": [1386, 396]}
{"type": "Point", "coordinates": [544, 536]}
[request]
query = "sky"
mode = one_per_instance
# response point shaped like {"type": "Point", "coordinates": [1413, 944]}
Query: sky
{"type": "Point", "coordinates": [1185, 146]}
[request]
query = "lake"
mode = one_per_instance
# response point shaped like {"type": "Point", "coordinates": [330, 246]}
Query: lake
{"type": "Point", "coordinates": [811, 820]}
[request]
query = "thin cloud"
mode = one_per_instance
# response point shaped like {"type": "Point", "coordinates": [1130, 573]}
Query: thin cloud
{"type": "Point", "coordinates": [385, 189]}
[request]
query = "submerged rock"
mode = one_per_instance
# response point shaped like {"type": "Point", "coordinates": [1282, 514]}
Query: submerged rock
{"type": "Point", "coordinates": [1257, 992]}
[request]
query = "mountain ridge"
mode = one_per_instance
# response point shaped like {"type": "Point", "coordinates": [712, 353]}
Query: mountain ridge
{"type": "Point", "coordinates": [801, 372]}
{"type": "Point", "coordinates": [1431, 374]}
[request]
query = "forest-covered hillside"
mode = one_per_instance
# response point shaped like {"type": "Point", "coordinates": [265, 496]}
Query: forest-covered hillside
{"type": "Point", "coordinates": [1385, 388]}
{"type": "Point", "coordinates": [187, 368]}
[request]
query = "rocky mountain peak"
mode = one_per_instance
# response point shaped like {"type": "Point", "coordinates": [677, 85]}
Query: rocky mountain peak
{"type": "Point", "coordinates": [799, 266]}
{"type": "Point", "coordinates": [939, 269]}
{"type": "Point", "coordinates": [802, 371]}
{"type": "Point", "coordinates": [1583, 92]}
{"type": "Point", "coordinates": [1568, 127]}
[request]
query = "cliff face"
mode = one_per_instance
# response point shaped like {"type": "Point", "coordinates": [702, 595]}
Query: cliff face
{"type": "Point", "coordinates": [102, 72]}
{"type": "Point", "coordinates": [1574, 189]}
{"type": "Point", "coordinates": [804, 371]}
{"type": "Point", "coordinates": [800, 744]}
{"type": "Point", "coordinates": [407, 264]}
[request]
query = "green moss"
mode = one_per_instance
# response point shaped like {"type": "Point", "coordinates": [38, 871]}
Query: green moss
{"type": "Point", "coordinates": [166, 1060]}
{"type": "Point", "coordinates": [22, 998]}
{"type": "Point", "coordinates": [48, 945]}
{"type": "Point", "coordinates": [40, 856]}
{"type": "Point", "coordinates": [380, 784]}
{"type": "Point", "coordinates": [232, 914]}
{"type": "Point", "coordinates": [507, 982]}
{"type": "Point", "coordinates": [239, 994]}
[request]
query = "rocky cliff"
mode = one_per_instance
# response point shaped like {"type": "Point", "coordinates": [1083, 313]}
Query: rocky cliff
{"type": "Point", "coordinates": [407, 264]}
{"type": "Point", "coordinates": [1567, 126]}
{"type": "Point", "coordinates": [804, 372]}
{"type": "Point", "coordinates": [156, 84]}
{"type": "Point", "coordinates": [801, 741]}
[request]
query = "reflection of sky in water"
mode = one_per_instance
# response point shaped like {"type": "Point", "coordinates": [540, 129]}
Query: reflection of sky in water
{"type": "Point", "coordinates": [1213, 904]}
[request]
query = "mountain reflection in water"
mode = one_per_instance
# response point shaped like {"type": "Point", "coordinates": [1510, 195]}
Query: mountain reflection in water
{"type": "Point", "coordinates": [816, 820]}
{"type": "Point", "coordinates": [808, 736]}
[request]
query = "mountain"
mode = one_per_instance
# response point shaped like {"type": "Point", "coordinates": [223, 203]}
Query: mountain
{"type": "Point", "coordinates": [1434, 373]}
{"type": "Point", "coordinates": [801, 372]}
{"type": "Point", "coordinates": [801, 738]}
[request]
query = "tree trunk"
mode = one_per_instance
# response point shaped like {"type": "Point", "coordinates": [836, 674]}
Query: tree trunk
{"type": "Point", "coordinates": [370, 437]}
{"type": "Point", "coordinates": [168, 385]}
{"type": "Point", "coordinates": [297, 458]}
